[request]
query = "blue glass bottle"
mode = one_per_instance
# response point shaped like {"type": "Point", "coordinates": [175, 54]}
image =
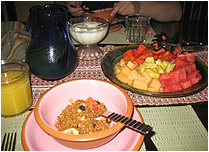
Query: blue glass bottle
{"type": "Point", "coordinates": [50, 55]}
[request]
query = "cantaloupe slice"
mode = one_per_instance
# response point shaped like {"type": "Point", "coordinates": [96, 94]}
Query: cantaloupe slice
{"type": "Point", "coordinates": [148, 79]}
{"type": "Point", "coordinates": [125, 70]}
{"type": "Point", "coordinates": [139, 84]}
{"type": "Point", "coordinates": [122, 78]}
{"type": "Point", "coordinates": [155, 84]}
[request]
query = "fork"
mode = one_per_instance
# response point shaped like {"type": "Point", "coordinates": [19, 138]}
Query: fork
{"type": "Point", "coordinates": [9, 141]}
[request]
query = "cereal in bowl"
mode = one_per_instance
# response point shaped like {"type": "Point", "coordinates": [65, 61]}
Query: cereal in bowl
{"type": "Point", "coordinates": [79, 117]}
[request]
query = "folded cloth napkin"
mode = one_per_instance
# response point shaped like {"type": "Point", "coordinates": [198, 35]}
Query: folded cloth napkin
{"type": "Point", "coordinates": [14, 40]}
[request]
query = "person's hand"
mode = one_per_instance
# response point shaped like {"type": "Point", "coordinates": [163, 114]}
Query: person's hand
{"type": "Point", "coordinates": [74, 7]}
{"type": "Point", "coordinates": [125, 8]}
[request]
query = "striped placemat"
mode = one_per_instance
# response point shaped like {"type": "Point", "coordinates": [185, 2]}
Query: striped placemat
{"type": "Point", "coordinates": [92, 69]}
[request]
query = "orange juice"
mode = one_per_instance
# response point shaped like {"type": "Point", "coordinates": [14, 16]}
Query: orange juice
{"type": "Point", "coordinates": [16, 94]}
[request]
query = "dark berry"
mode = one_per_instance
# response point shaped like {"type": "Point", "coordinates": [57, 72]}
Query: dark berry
{"type": "Point", "coordinates": [82, 108]}
{"type": "Point", "coordinates": [108, 120]}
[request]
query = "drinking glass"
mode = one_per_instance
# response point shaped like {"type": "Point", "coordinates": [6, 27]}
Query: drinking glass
{"type": "Point", "coordinates": [16, 96]}
{"type": "Point", "coordinates": [137, 27]}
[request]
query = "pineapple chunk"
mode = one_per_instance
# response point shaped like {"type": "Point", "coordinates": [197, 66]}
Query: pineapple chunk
{"type": "Point", "coordinates": [165, 63]}
{"type": "Point", "coordinates": [131, 65]}
{"type": "Point", "coordinates": [139, 85]}
{"type": "Point", "coordinates": [141, 68]}
{"type": "Point", "coordinates": [155, 70]}
{"type": "Point", "coordinates": [122, 62]}
{"type": "Point", "coordinates": [125, 70]}
{"type": "Point", "coordinates": [160, 69]}
{"type": "Point", "coordinates": [150, 60]}
{"type": "Point", "coordinates": [117, 69]}
{"type": "Point", "coordinates": [160, 62]}
{"type": "Point", "coordinates": [169, 67]}
{"type": "Point", "coordinates": [150, 65]}
{"type": "Point", "coordinates": [152, 73]}
{"type": "Point", "coordinates": [122, 78]}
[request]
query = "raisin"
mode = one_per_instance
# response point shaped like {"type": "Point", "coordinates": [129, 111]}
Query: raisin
{"type": "Point", "coordinates": [82, 108]}
{"type": "Point", "coordinates": [108, 120]}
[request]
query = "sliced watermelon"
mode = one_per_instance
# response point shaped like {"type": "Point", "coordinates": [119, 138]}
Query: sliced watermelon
{"type": "Point", "coordinates": [182, 56]}
{"type": "Point", "coordinates": [178, 74]}
{"type": "Point", "coordinates": [186, 83]}
{"type": "Point", "coordinates": [172, 88]}
{"type": "Point", "coordinates": [180, 63]}
{"type": "Point", "coordinates": [183, 76]}
{"type": "Point", "coordinates": [168, 82]}
{"type": "Point", "coordinates": [194, 76]}
{"type": "Point", "coordinates": [176, 87]}
{"type": "Point", "coordinates": [190, 57]}
{"type": "Point", "coordinates": [167, 89]}
{"type": "Point", "coordinates": [164, 76]}
{"type": "Point", "coordinates": [190, 67]}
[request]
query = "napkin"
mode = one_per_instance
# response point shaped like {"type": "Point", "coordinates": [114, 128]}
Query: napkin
{"type": "Point", "coordinates": [14, 40]}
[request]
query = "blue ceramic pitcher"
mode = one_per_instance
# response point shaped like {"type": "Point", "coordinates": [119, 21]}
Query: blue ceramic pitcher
{"type": "Point", "coordinates": [51, 55]}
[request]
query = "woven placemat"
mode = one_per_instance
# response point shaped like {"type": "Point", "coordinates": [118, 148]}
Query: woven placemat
{"type": "Point", "coordinates": [14, 124]}
{"type": "Point", "coordinates": [92, 69]}
{"type": "Point", "coordinates": [176, 128]}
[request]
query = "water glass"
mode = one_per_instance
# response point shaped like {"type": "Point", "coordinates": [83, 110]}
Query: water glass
{"type": "Point", "coordinates": [16, 95]}
{"type": "Point", "coordinates": [137, 27]}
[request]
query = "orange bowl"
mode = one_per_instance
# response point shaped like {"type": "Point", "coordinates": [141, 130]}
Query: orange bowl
{"type": "Point", "coordinates": [53, 101]}
{"type": "Point", "coordinates": [106, 13]}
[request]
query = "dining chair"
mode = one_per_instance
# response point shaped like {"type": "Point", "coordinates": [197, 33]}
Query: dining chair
{"type": "Point", "coordinates": [194, 22]}
{"type": "Point", "coordinates": [194, 10]}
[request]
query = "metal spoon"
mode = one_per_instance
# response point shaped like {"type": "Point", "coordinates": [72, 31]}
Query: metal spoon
{"type": "Point", "coordinates": [133, 124]}
{"type": "Point", "coordinates": [115, 19]}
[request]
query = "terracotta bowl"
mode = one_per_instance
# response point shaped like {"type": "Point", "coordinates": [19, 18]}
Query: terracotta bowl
{"type": "Point", "coordinates": [53, 101]}
{"type": "Point", "coordinates": [106, 13]}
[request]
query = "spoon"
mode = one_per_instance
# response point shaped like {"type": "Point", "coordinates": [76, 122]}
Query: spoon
{"type": "Point", "coordinates": [136, 125]}
{"type": "Point", "coordinates": [110, 21]}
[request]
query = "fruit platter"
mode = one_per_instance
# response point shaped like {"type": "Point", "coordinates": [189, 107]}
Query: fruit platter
{"type": "Point", "coordinates": [158, 73]}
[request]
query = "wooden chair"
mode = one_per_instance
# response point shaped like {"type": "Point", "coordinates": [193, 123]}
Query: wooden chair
{"type": "Point", "coordinates": [194, 23]}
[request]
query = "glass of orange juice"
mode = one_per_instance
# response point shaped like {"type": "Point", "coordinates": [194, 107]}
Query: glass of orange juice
{"type": "Point", "coordinates": [16, 95]}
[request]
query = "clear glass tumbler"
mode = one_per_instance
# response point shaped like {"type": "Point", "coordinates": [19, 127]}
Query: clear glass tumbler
{"type": "Point", "coordinates": [137, 26]}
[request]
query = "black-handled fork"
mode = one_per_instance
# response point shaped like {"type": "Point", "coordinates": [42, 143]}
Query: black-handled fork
{"type": "Point", "coordinates": [9, 142]}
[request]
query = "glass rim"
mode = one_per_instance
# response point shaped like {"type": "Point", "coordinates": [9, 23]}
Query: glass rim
{"type": "Point", "coordinates": [21, 63]}
{"type": "Point", "coordinates": [138, 15]}
{"type": "Point", "coordinates": [87, 17]}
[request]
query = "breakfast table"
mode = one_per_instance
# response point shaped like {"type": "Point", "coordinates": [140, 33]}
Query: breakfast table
{"type": "Point", "coordinates": [176, 125]}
